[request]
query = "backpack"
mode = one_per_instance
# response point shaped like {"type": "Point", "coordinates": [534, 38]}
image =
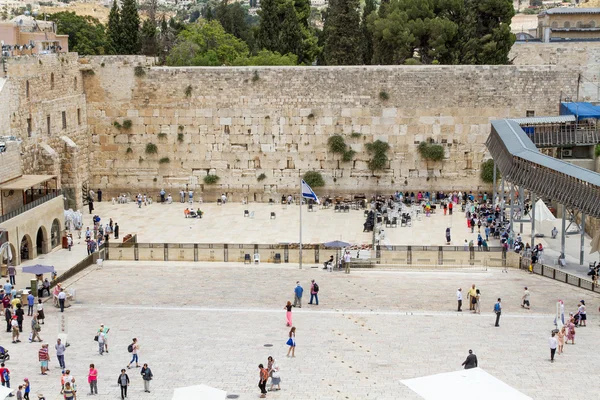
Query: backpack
{"type": "Point", "coordinates": [130, 348]}
{"type": "Point", "coordinates": [316, 288]}
{"type": "Point", "coordinates": [5, 376]}
{"type": "Point", "coordinates": [497, 307]}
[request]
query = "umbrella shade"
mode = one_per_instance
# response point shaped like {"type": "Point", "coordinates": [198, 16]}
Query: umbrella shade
{"type": "Point", "coordinates": [542, 212]}
{"type": "Point", "coordinates": [38, 269]}
{"type": "Point", "coordinates": [336, 244]}
{"type": "Point", "coordinates": [4, 392]}
{"type": "Point", "coordinates": [199, 392]}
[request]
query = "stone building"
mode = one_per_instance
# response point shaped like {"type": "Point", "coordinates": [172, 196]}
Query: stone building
{"type": "Point", "coordinates": [569, 24]}
{"type": "Point", "coordinates": [24, 35]}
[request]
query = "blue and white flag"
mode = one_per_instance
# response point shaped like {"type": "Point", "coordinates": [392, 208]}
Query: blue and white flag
{"type": "Point", "coordinates": [308, 193]}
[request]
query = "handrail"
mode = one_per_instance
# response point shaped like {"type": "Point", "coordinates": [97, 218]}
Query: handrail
{"type": "Point", "coordinates": [559, 275]}
{"type": "Point", "coordinates": [29, 206]}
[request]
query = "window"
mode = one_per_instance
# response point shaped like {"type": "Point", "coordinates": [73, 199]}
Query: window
{"type": "Point", "coordinates": [592, 24]}
{"type": "Point", "coordinates": [29, 126]}
{"type": "Point", "coordinates": [530, 113]}
{"type": "Point", "coordinates": [578, 24]}
{"type": "Point", "coordinates": [79, 116]}
{"type": "Point", "coordinates": [48, 124]}
{"type": "Point", "coordinates": [52, 81]}
{"type": "Point", "coordinates": [555, 25]}
{"type": "Point", "coordinates": [64, 119]}
{"type": "Point", "coordinates": [27, 89]}
{"type": "Point", "coordinates": [567, 24]}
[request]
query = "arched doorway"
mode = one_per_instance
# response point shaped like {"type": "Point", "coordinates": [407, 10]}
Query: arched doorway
{"type": "Point", "coordinates": [41, 241]}
{"type": "Point", "coordinates": [55, 233]}
{"type": "Point", "coordinates": [26, 248]}
{"type": "Point", "coordinates": [7, 254]}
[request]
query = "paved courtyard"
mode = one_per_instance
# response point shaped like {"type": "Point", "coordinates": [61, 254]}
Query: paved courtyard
{"type": "Point", "coordinates": [209, 323]}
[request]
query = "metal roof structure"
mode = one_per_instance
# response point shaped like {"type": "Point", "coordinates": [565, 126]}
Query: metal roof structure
{"type": "Point", "coordinates": [571, 10]}
{"type": "Point", "coordinates": [521, 163]}
{"type": "Point", "coordinates": [560, 119]}
{"type": "Point", "coordinates": [25, 182]}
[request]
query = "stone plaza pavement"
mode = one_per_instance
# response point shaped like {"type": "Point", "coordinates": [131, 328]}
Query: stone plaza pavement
{"type": "Point", "coordinates": [209, 323]}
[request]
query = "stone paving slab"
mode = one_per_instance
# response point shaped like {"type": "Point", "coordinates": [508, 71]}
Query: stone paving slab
{"type": "Point", "coordinates": [208, 323]}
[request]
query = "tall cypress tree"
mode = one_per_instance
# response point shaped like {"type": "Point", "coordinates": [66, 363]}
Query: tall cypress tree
{"type": "Point", "coordinates": [342, 33]}
{"type": "Point", "coordinates": [367, 50]}
{"type": "Point", "coordinates": [130, 27]}
{"type": "Point", "coordinates": [113, 30]}
{"type": "Point", "coordinates": [268, 28]}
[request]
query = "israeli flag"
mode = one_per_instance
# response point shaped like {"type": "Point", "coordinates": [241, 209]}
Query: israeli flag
{"type": "Point", "coordinates": [308, 193]}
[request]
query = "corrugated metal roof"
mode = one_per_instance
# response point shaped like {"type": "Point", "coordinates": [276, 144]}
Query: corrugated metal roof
{"type": "Point", "coordinates": [519, 145]}
{"type": "Point", "coordinates": [572, 10]}
{"type": "Point", "coordinates": [559, 119]}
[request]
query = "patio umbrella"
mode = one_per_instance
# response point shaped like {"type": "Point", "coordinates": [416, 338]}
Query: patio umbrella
{"type": "Point", "coordinates": [38, 269]}
{"type": "Point", "coordinates": [199, 392]}
{"type": "Point", "coordinates": [336, 244]}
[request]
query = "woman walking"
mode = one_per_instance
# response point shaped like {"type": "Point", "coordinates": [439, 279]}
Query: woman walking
{"type": "Point", "coordinates": [93, 379]}
{"type": "Point", "coordinates": [123, 382]}
{"type": "Point", "coordinates": [448, 237]}
{"type": "Point", "coordinates": [477, 298]}
{"type": "Point", "coordinates": [147, 377]}
{"type": "Point", "coordinates": [582, 314]}
{"type": "Point", "coordinates": [273, 369]}
{"type": "Point", "coordinates": [571, 332]}
{"type": "Point", "coordinates": [40, 311]}
{"type": "Point", "coordinates": [292, 342]}
{"type": "Point", "coordinates": [288, 314]}
{"type": "Point", "coordinates": [561, 339]}
{"type": "Point", "coordinates": [35, 330]}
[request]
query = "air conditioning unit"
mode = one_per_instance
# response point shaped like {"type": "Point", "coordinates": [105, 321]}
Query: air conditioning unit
{"type": "Point", "coordinates": [567, 153]}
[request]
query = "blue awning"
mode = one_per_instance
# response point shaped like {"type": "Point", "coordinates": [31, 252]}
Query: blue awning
{"type": "Point", "coordinates": [581, 110]}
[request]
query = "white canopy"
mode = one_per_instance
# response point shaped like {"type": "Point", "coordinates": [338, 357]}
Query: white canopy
{"type": "Point", "coordinates": [199, 392]}
{"type": "Point", "coordinates": [4, 392]}
{"type": "Point", "coordinates": [542, 213]}
{"type": "Point", "coordinates": [472, 383]}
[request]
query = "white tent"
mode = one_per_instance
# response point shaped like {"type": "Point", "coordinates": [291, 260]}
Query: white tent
{"type": "Point", "coordinates": [472, 383]}
{"type": "Point", "coordinates": [199, 392]}
{"type": "Point", "coordinates": [4, 392]}
{"type": "Point", "coordinates": [542, 212]}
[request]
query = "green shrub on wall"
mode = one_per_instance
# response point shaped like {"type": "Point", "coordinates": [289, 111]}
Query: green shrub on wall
{"type": "Point", "coordinates": [164, 160]}
{"type": "Point", "coordinates": [487, 171]}
{"type": "Point", "coordinates": [211, 179]}
{"type": "Point", "coordinates": [261, 177]}
{"type": "Point", "coordinates": [151, 148]}
{"type": "Point", "coordinates": [431, 152]}
{"type": "Point", "coordinates": [378, 150]}
{"type": "Point", "coordinates": [314, 179]}
{"type": "Point", "coordinates": [336, 144]}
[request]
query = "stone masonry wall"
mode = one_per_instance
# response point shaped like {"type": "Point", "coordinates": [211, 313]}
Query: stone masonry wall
{"type": "Point", "coordinates": [42, 89]}
{"type": "Point", "coordinates": [239, 123]}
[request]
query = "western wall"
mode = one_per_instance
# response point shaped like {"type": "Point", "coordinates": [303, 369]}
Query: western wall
{"type": "Point", "coordinates": [239, 123]}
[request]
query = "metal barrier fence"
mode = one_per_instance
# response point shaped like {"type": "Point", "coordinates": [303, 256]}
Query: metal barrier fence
{"type": "Point", "coordinates": [289, 253]}
{"type": "Point", "coordinates": [29, 206]}
{"type": "Point", "coordinates": [559, 275]}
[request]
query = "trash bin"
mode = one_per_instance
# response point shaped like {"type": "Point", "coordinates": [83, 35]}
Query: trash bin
{"type": "Point", "coordinates": [33, 283]}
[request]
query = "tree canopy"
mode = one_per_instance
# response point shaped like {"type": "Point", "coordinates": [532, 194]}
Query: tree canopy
{"type": "Point", "coordinates": [86, 34]}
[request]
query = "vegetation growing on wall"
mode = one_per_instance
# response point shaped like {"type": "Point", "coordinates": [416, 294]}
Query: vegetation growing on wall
{"type": "Point", "coordinates": [164, 160]}
{"type": "Point", "coordinates": [211, 179]}
{"type": "Point", "coordinates": [261, 177]}
{"type": "Point", "coordinates": [378, 150]}
{"type": "Point", "coordinates": [337, 145]}
{"type": "Point", "coordinates": [314, 179]}
{"type": "Point", "coordinates": [431, 151]}
{"type": "Point", "coordinates": [487, 171]}
{"type": "Point", "coordinates": [151, 148]}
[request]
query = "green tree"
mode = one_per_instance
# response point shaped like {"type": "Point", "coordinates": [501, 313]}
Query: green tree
{"type": "Point", "coordinates": [206, 43]}
{"type": "Point", "coordinates": [266, 57]}
{"type": "Point", "coordinates": [268, 27]}
{"type": "Point", "coordinates": [86, 34]}
{"type": "Point", "coordinates": [342, 33]}
{"type": "Point", "coordinates": [235, 20]}
{"type": "Point", "coordinates": [148, 35]}
{"type": "Point", "coordinates": [367, 48]}
{"type": "Point", "coordinates": [130, 28]}
{"type": "Point", "coordinates": [113, 30]}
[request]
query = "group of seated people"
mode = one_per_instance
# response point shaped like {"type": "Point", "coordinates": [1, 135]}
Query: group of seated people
{"type": "Point", "coordinates": [193, 214]}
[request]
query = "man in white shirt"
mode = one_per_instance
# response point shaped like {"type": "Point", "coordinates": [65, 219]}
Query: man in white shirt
{"type": "Point", "coordinates": [553, 344]}
{"type": "Point", "coordinates": [62, 296]}
{"type": "Point", "coordinates": [525, 299]}
{"type": "Point", "coordinates": [347, 259]}
{"type": "Point", "coordinates": [459, 298]}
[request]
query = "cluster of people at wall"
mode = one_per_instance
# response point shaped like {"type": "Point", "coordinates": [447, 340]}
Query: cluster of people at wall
{"type": "Point", "coordinates": [100, 234]}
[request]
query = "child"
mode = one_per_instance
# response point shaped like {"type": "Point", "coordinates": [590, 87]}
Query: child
{"type": "Point", "coordinates": [20, 393]}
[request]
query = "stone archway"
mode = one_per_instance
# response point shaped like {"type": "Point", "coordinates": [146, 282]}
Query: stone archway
{"type": "Point", "coordinates": [8, 255]}
{"type": "Point", "coordinates": [55, 233]}
{"type": "Point", "coordinates": [26, 250]}
{"type": "Point", "coordinates": [41, 241]}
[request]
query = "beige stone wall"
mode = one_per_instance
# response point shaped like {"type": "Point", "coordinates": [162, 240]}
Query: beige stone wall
{"type": "Point", "coordinates": [44, 87]}
{"type": "Point", "coordinates": [241, 122]}
{"type": "Point", "coordinates": [10, 162]}
{"type": "Point", "coordinates": [26, 225]}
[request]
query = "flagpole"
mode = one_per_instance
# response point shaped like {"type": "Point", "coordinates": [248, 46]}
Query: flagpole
{"type": "Point", "coordinates": [300, 224]}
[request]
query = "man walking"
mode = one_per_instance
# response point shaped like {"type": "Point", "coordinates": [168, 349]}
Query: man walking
{"type": "Point", "coordinates": [262, 380]}
{"type": "Point", "coordinates": [525, 299]}
{"type": "Point", "coordinates": [314, 292]}
{"type": "Point", "coordinates": [459, 298]}
{"type": "Point", "coordinates": [298, 295]}
{"type": "Point", "coordinates": [471, 361]}
{"type": "Point", "coordinates": [553, 344]}
{"type": "Point", "coordinates": [123, 382]}
{"type": "Point", "coordinates": [472, 296]}
{"type": "Point", "coordinates": [60, 353]}
{"type": "Point", "coordinates": [498, 311]}
{"type": "Point", "coordinates": [62, 297]}
{"type": "Point", "coordinates": [30, 300]}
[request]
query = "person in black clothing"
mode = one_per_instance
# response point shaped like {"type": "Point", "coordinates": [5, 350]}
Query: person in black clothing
{"type": "Point", "coordinates": [8, 316]}
{"type": "Point", "coordinates": [116, 230]}
{"type": "Point", "coordinates": [99, 195]}
{"type": "Point", "coordinates": [123, 382]}
{"type": "Point", "coordinates": [20, 313]}
{"type": "Point", "coordinates": [471, 361]}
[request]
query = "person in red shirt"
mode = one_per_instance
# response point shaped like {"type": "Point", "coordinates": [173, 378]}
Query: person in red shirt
{"type": "Point", "coordinates": [262, 383]}
{"type": "Point", "coordinates": [44, 357]}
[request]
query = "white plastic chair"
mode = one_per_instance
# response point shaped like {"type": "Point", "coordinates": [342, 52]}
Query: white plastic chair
{"type": "Point", "coordinates": [256, 258]}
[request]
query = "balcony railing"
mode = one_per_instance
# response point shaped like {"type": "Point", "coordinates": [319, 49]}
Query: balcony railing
{"type": "Point", "coordinates": [29, 206]}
